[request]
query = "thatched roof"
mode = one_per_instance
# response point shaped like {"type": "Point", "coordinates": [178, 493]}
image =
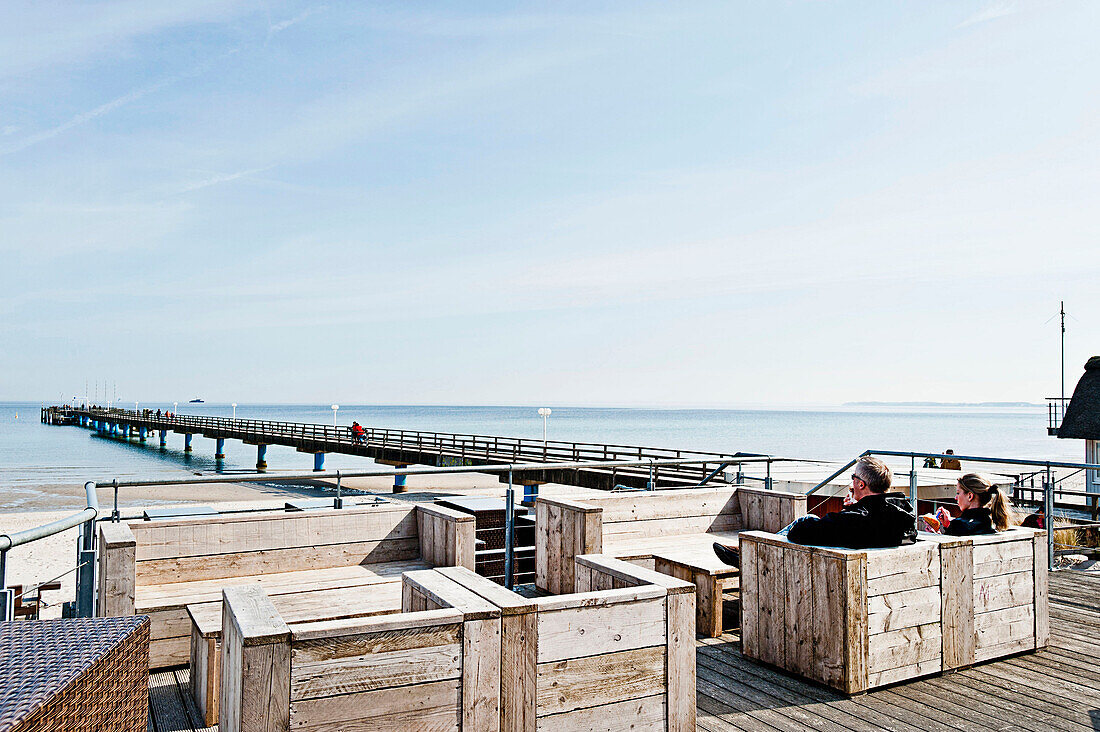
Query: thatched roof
{"type": "Point", "coordinates": [1082, 420]}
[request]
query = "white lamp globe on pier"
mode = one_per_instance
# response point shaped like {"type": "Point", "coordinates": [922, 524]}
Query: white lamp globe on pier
{"type": "Point", "coordinates": [334, 408]}
{"type": "Point", "coordinates": [234, 410]}
{"type": "Point", "coordinates": [175, 408]}
{"type": "Point", "coordinates": [544, 412]}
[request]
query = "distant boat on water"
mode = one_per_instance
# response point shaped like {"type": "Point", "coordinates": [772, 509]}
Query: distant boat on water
{"type": "Point", "coordinates": [196, 401]}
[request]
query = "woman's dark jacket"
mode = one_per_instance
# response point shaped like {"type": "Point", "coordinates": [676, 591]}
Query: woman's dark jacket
{"type": "Point", "coordinates": [878, 520]}
{"type": "Point", "coordinates": [970, 522]}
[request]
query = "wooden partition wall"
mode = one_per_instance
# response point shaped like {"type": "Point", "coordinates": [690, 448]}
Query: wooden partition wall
{"type": "Point", "coordinates": [160, 567]}
{"type": "Point", "coordinates": [625, 525]}
{"type": "Point", "coordinates": [858, 619]}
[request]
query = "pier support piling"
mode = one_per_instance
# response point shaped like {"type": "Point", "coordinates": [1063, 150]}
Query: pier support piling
{"type": "Point", "coordinates": [141, 434]}
{"type": "Point", "coordinates": [187, 442]}
{"type": "Point", "coordinates": [399, 481]}
{"type": "Point", "coordinates": [164, 438]}
{"type": "Point", "coordinates": [261, 457]}
{"type": "Point", "coordinates": [318, 461]}
{"type": "Point", "coordinates": [219, 449]}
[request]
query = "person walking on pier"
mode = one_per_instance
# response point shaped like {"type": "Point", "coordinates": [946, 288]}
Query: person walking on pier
{"type": "Point", "coordinates": [874, 518]}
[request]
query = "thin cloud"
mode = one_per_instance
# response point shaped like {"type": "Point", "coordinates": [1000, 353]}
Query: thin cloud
{"type": "Point", "coordinates": [283, 25]}
{"type": "Point", "coordinates": [225, 178]}
{"type": "Point", "coordinates": [108, 107]}
{"type": "Point", "coordinates": [994, 11]}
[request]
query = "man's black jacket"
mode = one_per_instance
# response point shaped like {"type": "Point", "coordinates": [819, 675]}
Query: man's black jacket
{"type": "Point", "coordinates": [878, 520]}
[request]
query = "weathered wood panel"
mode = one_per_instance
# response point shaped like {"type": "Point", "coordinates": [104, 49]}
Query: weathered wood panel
{"type": "Point", "coordinates": [597, 630]}
{"type": "Point", "coordinates": [647, 713]}
{"type": "Point", "coordinates": [431, 706]}
{"type": "Point", "coordinates": [593, 681]}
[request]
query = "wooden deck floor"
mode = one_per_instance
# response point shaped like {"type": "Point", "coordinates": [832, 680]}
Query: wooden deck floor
{"type": "Point", "coordinates": [1057, 688]}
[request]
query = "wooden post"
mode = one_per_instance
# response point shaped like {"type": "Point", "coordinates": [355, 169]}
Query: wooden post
{"type": "Point", "coordinates": [681, 660]}
{"type": "Point", "coordinates": [255, 683]}
{"type": "Point", "coordinates": [446, 536]}
{"type": "Point", "coordinates": [117, 570]}
{"type": "Point", "coordinates": [957, 583]}
{"type": "Point", "coordinates": [1042, 582]}
{"type": "Point", "coordinates": [564, 530]}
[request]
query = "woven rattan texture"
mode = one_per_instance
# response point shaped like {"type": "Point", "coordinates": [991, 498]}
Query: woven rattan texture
{"type": "Point", "coordinates": [79, 675]}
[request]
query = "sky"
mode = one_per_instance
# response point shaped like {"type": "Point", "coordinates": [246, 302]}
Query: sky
{"type": "Point", "coordinates": [579, 203]}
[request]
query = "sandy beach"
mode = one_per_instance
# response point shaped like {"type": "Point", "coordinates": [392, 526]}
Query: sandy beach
{"type": "Point", "coordinates": [55, 556]}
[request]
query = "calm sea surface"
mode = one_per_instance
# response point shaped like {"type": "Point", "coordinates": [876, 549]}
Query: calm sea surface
{"type": "Point", "coordinates": [33, 454]}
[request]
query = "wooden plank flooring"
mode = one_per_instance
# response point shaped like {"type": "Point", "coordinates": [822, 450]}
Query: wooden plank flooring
{"type": "Point", "coordinates": [1057, 688]}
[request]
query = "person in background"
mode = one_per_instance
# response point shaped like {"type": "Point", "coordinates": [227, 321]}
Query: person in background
{"type": "Point", "coordinates": [950, 463]}
{"type": "Point", "coordinates": [872, 517]}
{"type": "Point", "coordinates": [357, 432]}
{"type": "Point", "coordinates": [930, 462]}
{"type": "Point", "coordinates": [985, 510]}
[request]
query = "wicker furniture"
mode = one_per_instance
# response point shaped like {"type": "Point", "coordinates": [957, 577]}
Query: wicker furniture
{"type": "Point", "coordinates": [75, 675]}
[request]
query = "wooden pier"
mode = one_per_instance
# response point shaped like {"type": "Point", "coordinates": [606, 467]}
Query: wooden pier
{"type": "Point", "coordinates": [414, 447]}
{"type": "Point", "coordinates": [1057, 688]}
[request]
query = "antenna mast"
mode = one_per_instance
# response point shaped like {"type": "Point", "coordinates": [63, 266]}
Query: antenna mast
{"type": "Point", "coordinates": [1063, 351]}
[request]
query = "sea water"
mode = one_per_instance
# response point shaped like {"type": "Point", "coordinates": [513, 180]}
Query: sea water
{"type": "Point", "coordinates": [33, 454]}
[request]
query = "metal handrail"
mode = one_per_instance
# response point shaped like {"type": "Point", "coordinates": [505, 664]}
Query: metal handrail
{"type": "Point", "coordinates": [85, 518]}
{"type": "Point", "coordinates": [90, 513]}
{"type": "Point", "coordinates": [970, 458]}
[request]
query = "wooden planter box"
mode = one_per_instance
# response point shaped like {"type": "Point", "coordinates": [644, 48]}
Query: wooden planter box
{"type": "Point", "coordinates": [858, 619]}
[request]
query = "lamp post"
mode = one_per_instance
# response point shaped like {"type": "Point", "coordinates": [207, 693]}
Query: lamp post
{"type": "Point", "coordinates": [175, 408]}
{"type": "Point", "coordinates": [135, 406]}
{"type": "Point", "coordinates": [234, 411]}
{"type": "Point", "coordinates": [334, 408]}
{"type": "Point", "coordinates": [544, 412]}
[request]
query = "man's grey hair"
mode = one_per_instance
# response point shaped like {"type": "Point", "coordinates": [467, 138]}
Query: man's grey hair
{"type": "Point", "coordinates": [875, 473]}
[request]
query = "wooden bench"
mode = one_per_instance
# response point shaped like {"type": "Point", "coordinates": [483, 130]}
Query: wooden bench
{"type": "Point", "coordinates": [159, 568]}
{"type": "Point", "coordinates": [433, 665]}
{"type": "Point", "coordinates": [680, 525]}
{"type": "Point", "coordinates": [858, 619]}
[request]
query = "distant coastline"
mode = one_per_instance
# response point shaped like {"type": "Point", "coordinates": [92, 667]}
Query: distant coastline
{"type": "Point", "coordinates": [941, 404]}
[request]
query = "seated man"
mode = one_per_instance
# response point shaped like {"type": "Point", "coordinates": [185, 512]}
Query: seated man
{"type": "Point", "coordinates": [875, 518]}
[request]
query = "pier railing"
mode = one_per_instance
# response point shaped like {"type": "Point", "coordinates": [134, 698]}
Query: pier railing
{"type": "Point", "coordinates": [451, 448]}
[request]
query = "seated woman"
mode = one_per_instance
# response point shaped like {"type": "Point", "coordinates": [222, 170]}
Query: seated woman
{"type": "Point", "coordinates": [985, 510]}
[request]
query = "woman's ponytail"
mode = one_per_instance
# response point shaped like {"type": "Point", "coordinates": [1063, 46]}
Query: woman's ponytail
{"type": "Point", "coordinates": [999, 510]}
{"type": "Point", "coordinates": [989, 496]}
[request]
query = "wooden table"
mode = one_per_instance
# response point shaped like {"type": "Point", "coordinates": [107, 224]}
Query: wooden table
{"type": "Point", "coordinates": [713, 581]}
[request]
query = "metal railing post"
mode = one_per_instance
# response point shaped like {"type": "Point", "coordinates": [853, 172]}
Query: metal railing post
{"type": "Point", "coordinates": [1048, 510]}
{"type": "Point", "coordinates": [913, 490]}
{"type": "Point", "coordinates": [338, 502]}
{"type": "Point", "coordinates": [7, 597]}
{"type": "Point", "coordinates": [768, 476]}
{"type": "Point", "coordinates": [115, 516]}
{"type": "Point", "coordinates": [509, 529]}
{"type": "Point", "coordinates": [85, 571]}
